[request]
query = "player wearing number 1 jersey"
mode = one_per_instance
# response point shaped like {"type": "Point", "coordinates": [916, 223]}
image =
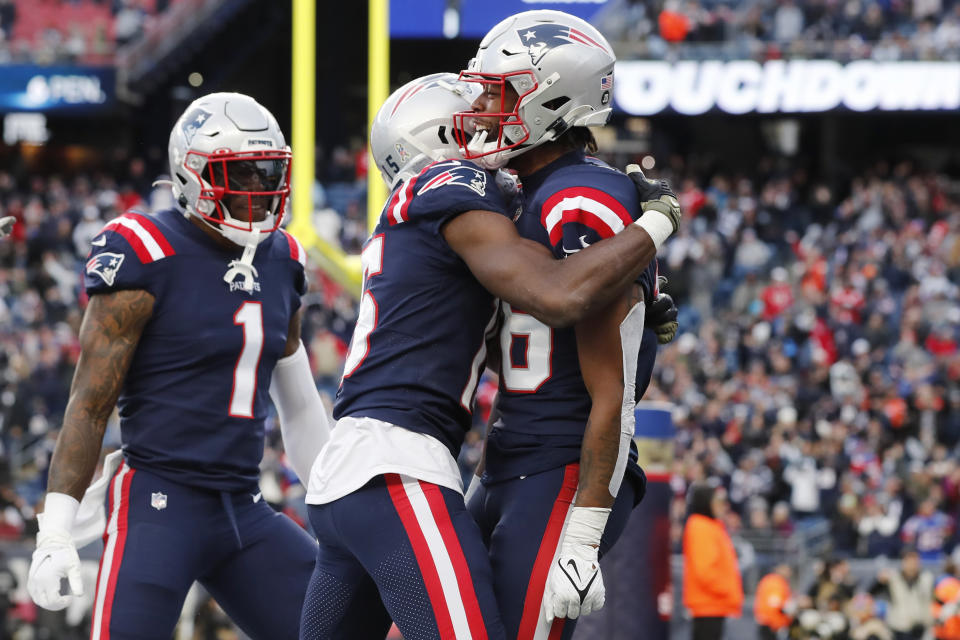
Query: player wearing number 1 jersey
{"type": "Point", "coordinates": [193, 317]}
{"type": "Point", "coordinates": [553, 496]}
{"type": "Point", "coordinates": [385, 494]}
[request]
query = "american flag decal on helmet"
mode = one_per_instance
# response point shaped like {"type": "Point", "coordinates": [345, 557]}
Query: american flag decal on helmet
{"type": "Point", "coordinates": [544, 37]}
{"type": "Point", "coordinates": [606, 82]}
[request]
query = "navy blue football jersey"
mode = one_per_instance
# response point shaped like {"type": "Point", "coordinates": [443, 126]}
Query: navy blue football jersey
{"type": "Point", "coordinates": [194, 401]}
{"type": "Point", "coordinates": [543, 402]}
{"type": "Point", "coordinates": [419, 346]}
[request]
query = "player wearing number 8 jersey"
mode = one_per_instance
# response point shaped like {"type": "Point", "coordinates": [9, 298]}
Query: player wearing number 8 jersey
{"type": "Point", "coordinates": [385, 494]}
{"type": "Point", "coordinates": [193, 317]}
{"type": "Point", "coordinates": [553, 495]}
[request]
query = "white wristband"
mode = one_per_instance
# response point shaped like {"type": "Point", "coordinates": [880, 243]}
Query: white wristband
{"type": "Point", "coordinates": [59, 511]}
{"type": "Point", "coordinates": [657, 225]}
{"type": "Point", "coordinates": [586, 525]}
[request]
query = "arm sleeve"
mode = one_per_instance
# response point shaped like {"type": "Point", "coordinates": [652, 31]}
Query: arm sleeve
{"type": "Point", "coordinates": [304, 422]}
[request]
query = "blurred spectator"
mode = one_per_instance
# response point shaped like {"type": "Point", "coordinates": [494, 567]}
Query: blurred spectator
{"type": "Point", "coordinates": [8, 15]}
{"type": "Point", "coordinates": [833, 587]}
{"type": "Point", "coordinates": [712, 588]}
{"type": "Point", "coordinates": [865, 624]}
{"type": "Point", "coordinates": [946, 617]}
{"type": "Point", "coordinates": [910, 591]}
{"type": "Point", "coordinates": [773, 602]}
{"type": "Point", "coordinates": [928, 530]}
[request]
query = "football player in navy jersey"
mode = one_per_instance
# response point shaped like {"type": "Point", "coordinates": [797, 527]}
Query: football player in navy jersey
{"type": "Point", "coordinates": [193, 321]}
{"type": "Point", "coordinates": [558, 482]}
{"type": "Point", "coordinates": [385, 494]}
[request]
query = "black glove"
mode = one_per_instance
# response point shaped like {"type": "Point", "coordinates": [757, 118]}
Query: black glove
{"type": "Point", "coordinates": [662, 318]}
{"type": "Point", "coordinates": [655, 195]}
{"type": "Point", "coordinates": [649, 189]}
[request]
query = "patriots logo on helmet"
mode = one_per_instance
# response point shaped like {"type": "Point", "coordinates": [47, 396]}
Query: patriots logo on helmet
{"type": "Point", "coordinates": [473, 179]}
{"type": "Point", "coordinates": [105, 265]}
{"type": "Point", "coordinates": [193, 121]}
{"type": "Point", "coordinates": [542, 38]}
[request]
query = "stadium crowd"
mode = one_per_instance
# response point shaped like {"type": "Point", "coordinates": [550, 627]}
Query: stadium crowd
{"type": "Point", "coordinates": [72, 31]}
{"type": "Point", "coordinates": [883, 30]}
{"type": "Point", "coordinates": [816, 373]}
{"type": "Point", "coordinates": [814, 377]}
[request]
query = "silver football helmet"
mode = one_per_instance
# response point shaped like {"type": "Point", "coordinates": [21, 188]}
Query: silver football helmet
{"type": "Point", "coordinates": [562, 71]}
{"type": "Point", "coordinates": [225, 148]}
{"type": "Point", "coordinates": [414, 127]}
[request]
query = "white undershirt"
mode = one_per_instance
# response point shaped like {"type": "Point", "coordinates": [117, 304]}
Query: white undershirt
{"type": "Point", "coordinates": [362, 448]}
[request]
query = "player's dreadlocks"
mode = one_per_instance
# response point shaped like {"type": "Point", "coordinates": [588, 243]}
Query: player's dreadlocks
{"type": "Point", "coordinates": [577, 138]}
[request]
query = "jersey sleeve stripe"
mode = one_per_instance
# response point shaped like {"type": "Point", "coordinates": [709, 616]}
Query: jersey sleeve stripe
{"type": "Point", "coordinates": [592, 207]}
{"type": "Point", "coordinates": [154, 232]}
{"type": "Point", "coordinates": [143, 244]}
{"type": "Point", "coordinates": [398, 213]}
{"type": "Point", "coordinates": [297, 251]}
{"type": "Point", "coordinates": [595, 209]}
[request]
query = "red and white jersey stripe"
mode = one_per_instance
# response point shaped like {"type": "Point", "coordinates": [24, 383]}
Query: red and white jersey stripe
{"type": "Point", "coordinates": [400, 202]}
{"type": "Point", "coordinates": [297, 252]}
{"type": "Point", "coordinates": [143, 235]}
{"type": "Point", "coordinates": [585, 205]}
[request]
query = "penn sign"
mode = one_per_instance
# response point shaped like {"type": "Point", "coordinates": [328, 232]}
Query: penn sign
{"type": "Point", "coordinates": [645, 88]}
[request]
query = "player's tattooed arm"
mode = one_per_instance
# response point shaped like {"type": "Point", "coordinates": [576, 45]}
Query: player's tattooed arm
{"type": "Point", "coordinates": [109, 335]}
{"type": "Point", "coordinates": [525, 273]}
{"type": "Point", "coordinates": [293, 334]}
{"type": "Point", "coordinates": [601, 364]}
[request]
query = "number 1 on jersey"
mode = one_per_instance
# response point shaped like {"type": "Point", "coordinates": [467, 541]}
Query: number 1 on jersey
{"type": "Point", "coordinates": [250, 317]}
{"type": "Point", "coordinates": [372, 261]}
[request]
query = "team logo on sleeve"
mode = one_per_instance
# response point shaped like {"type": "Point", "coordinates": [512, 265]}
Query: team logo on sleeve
{"type": "Point", "coordinates": [544, 37]}
{"type": "Point", "coordinates": [105, 265]}
{"type": "Point", "coordinates": [463, 176]}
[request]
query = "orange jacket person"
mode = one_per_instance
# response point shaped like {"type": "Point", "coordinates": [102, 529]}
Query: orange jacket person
{"type": "Point", "coordinates": [712, 589]}
{"type": "Point", "coordinates": [945, 613]}
{"type": "Point", "coordinates": [773, 601]}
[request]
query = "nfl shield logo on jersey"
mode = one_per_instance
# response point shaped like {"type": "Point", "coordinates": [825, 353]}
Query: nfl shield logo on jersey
{"type": "Point", "coordinates": [158, 500]}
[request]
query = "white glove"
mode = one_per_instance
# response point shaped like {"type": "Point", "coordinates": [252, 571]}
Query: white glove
{"type": "Point", "coordinates": [6, 225]}
{"type": "Point", "coordinates": [574, 585]}
{"type": "Point", "coordinates": [56, 556]}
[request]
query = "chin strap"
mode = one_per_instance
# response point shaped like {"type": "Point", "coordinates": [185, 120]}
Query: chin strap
{"type": "Point", "coordinates": [244, 267]}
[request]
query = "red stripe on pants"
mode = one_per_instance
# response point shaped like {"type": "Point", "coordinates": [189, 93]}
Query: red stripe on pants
{"type": "Point", "coordinates": [438, 507]}
{"type": "Point", "coordinates": [431, 578]}
{"type": "Point", "coordinates": [117, 551]}
{"type": "Point", "coordinates": [548, 548]}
